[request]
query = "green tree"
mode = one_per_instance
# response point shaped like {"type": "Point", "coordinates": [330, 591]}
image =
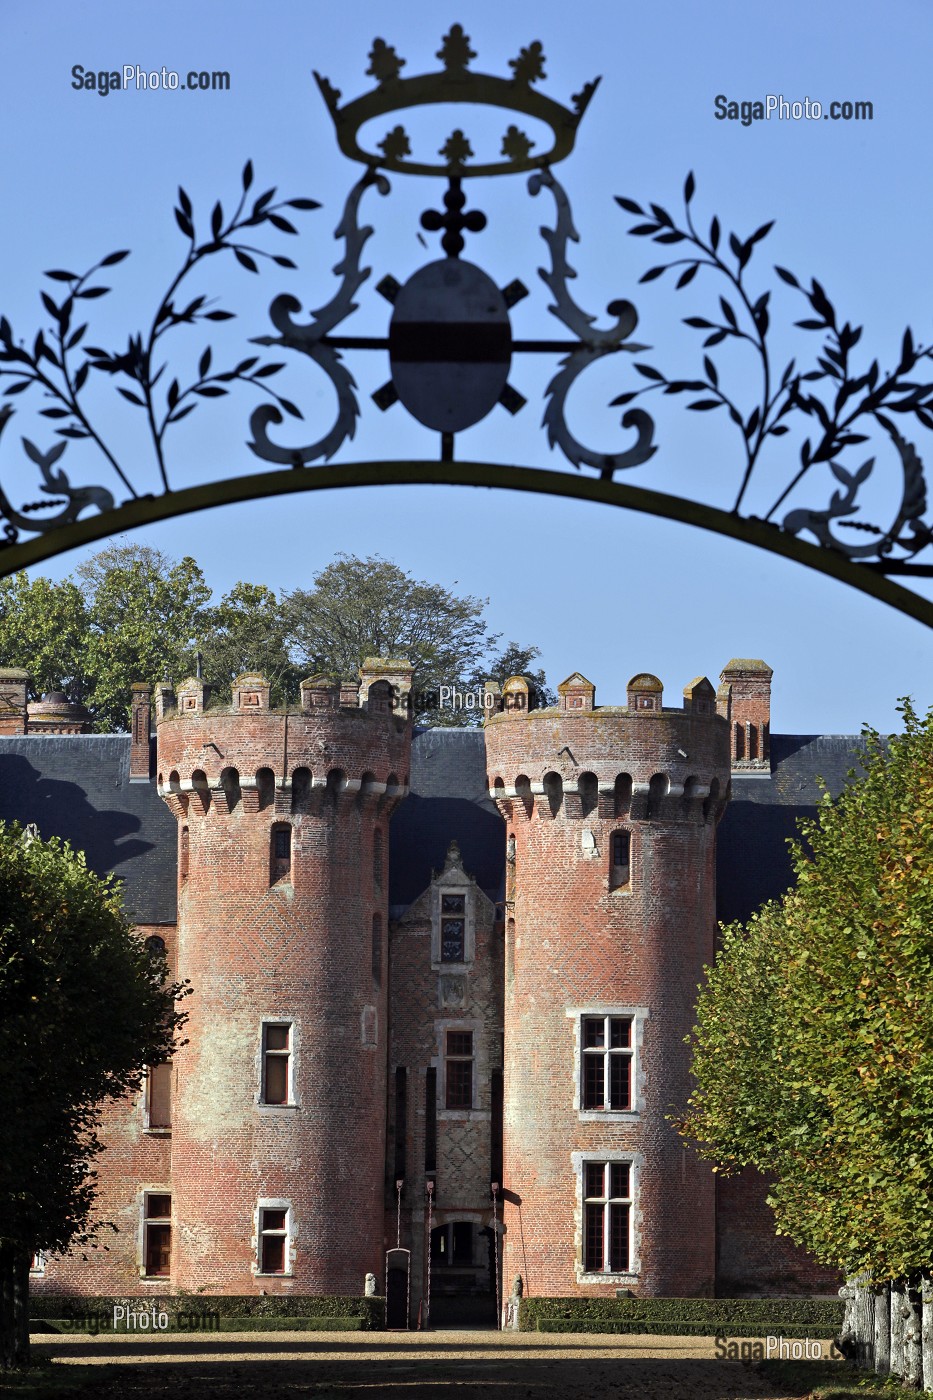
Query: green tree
{"type": "Point", "coordinates": [146, 614]}
{"type": "Point", "coordinates": [247, 631]}
{"type": "Point", "coordinates": [84, 1007]}
{"type": "Point", "coordinates": [515, 660]}
{"type": "Point", "coordinates": [813, 1050]}
{"type": "Point", "coordinates": [371, 607]}
{"type": "Point", "coordinates": [43, 628]}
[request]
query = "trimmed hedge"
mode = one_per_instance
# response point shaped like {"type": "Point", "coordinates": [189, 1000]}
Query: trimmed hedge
{"type": "Point", "coordinates": [701, 1317]}
{"type": "Point", "coordinates": [84, 1324]}
{"type": "Point", "coordinates": [360, 1314]}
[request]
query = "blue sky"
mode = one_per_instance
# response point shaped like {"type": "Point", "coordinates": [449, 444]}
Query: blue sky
{"type": "Point", "coordinates": [606, 592]}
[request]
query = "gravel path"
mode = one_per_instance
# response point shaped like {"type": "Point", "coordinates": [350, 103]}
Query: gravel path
{"type": "Point", "coordinates": [451, 1365]}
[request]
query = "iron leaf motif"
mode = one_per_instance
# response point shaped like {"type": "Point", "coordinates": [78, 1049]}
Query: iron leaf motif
{"type": "Point", "coordinates": [594, 345]}
{"type": "Point", "coordinates": [309, 340]}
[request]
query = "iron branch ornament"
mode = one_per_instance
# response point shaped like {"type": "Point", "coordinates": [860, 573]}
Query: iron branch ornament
{"type": "Point", "coordinates": [450, 351]}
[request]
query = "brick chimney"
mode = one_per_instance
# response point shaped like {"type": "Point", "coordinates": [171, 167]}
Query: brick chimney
{"type": "Point", "coordinates": [744, 699]}
{"type": "Point", "coordinates": [139, 731]}
{"type": "Point", "coordinates": [14, 684]}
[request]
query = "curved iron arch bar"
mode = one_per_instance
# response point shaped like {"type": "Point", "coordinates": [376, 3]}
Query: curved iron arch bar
{"type": "Point", "coordinates": [147, 510]}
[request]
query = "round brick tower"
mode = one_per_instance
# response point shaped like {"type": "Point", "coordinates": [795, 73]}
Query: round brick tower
{"type": "Point", "coordinates": [278, 1121]}
{"type": "Point", "coordinates": [611, 815]}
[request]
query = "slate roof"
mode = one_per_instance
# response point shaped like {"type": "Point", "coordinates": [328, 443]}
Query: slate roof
{"type": "Point", "coordinates": [77, 786]}
{"type": "Point", "coordinates": [449, 800]}
{"type": "Point", "coordinates": [752, 862]}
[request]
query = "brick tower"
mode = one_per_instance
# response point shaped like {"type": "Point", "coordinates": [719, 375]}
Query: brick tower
{"type": "Point", "coordinates": [278, 1123]}
{"type": "Point", "coordinates": [610, 916]}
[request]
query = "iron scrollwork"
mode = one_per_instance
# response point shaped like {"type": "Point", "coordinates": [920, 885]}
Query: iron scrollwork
{"type": "Point", "coordinates": [309, 339]}
{"type": "Point", "coordinates": [594, 344]}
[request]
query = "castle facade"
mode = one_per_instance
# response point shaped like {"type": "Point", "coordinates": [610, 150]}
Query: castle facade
{"type": "Point", "coordinates": [442, 981]}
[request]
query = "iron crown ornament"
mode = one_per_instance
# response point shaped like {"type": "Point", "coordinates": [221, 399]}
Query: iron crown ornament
{"type": "Point", "coordinates": [452, 356]}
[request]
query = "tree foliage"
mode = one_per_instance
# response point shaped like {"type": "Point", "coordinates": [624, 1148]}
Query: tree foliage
{"type": "Point", "coordinates": [43, 629]}
{"type": "Point", "coordinates": [132, 613]}
{"type": "Point", "coordinates": [248, 631]}
{"type": "Point", "coordinates": [371, 607]}
{"type": "Point", "coordinates": [84, 1007]}
{"type": "Point", "coordinates": [813, 1050]}
{"type": "Point", "coordinates": [146, 613]}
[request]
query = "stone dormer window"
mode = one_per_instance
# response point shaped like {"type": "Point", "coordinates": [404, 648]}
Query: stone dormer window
{"type": "Point", "coordinates": [453, 913]}
{"type": "Point", "coordinates": [453, 927]}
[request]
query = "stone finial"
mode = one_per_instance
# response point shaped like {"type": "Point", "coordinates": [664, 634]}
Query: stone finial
{"type": "Point", "coordinates": [700, 697]}
{"type": "Point", "coordinates": [251, 693]}
{"type": "Point", "coordinates": [56, 714]}
{"type": "Point", "coordinates": [385, 685]}
{"type": "Point", "coordinates": [644, 693]}
{"type": "Point", "coordinates": [515, 696]}
{"type": "Point", "coordinates": [576, 693]}
{"type": "Point", "coordinates": [193, 696]}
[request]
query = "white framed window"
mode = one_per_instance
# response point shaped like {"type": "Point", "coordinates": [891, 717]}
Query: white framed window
{"type": "Point", "coordinates": [277, 1066]}
{"type": "Point", "coordinates": [608, 1061]}
{"type": "Point", "coordinates": [274, 1237]}
{"type": "Point", "coordinates": [37, 1264]}
{"type": "Point", "coordinates": [607, 1216]}
{"type": "Point", "coordinates": [453, 923]}
{"type": "Point", "coordinates": [157, 1234]}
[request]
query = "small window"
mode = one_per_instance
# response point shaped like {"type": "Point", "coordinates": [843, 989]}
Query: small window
{"type": "Point", "coordinates": [459, 1058]}
{"type": "Point", "coordinates": [37, 1263]}
{"type": "Point", "coordinates": [159, 1096]}
{"type": "Point", "coordinates": [276, 1063]}
{"type": "Point", "coordinates": [377, 859]}
{"type": "Point", "coordinates": [607, 1205]}
{"type": "Point", "coordinates": [273, 1240]}
{"type": "Point", "coordinates": [453, 927]}
{"type": "Point", "coordinates": [157, 1235]}
{"type": "Point", "coordinates": [607, 1063]}
{"type": "Point", "coordinates": [281, 872]}
{"type": "Point", "coordinates": [184, 854]}
{"type": "Point", "coordinates": [620, 870]}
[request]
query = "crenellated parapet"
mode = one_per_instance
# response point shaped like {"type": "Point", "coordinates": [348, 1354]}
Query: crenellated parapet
{"type": "Point", "coordinates": [249, 758]}
{"type": "Point", "coordinates": [638, 762]}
